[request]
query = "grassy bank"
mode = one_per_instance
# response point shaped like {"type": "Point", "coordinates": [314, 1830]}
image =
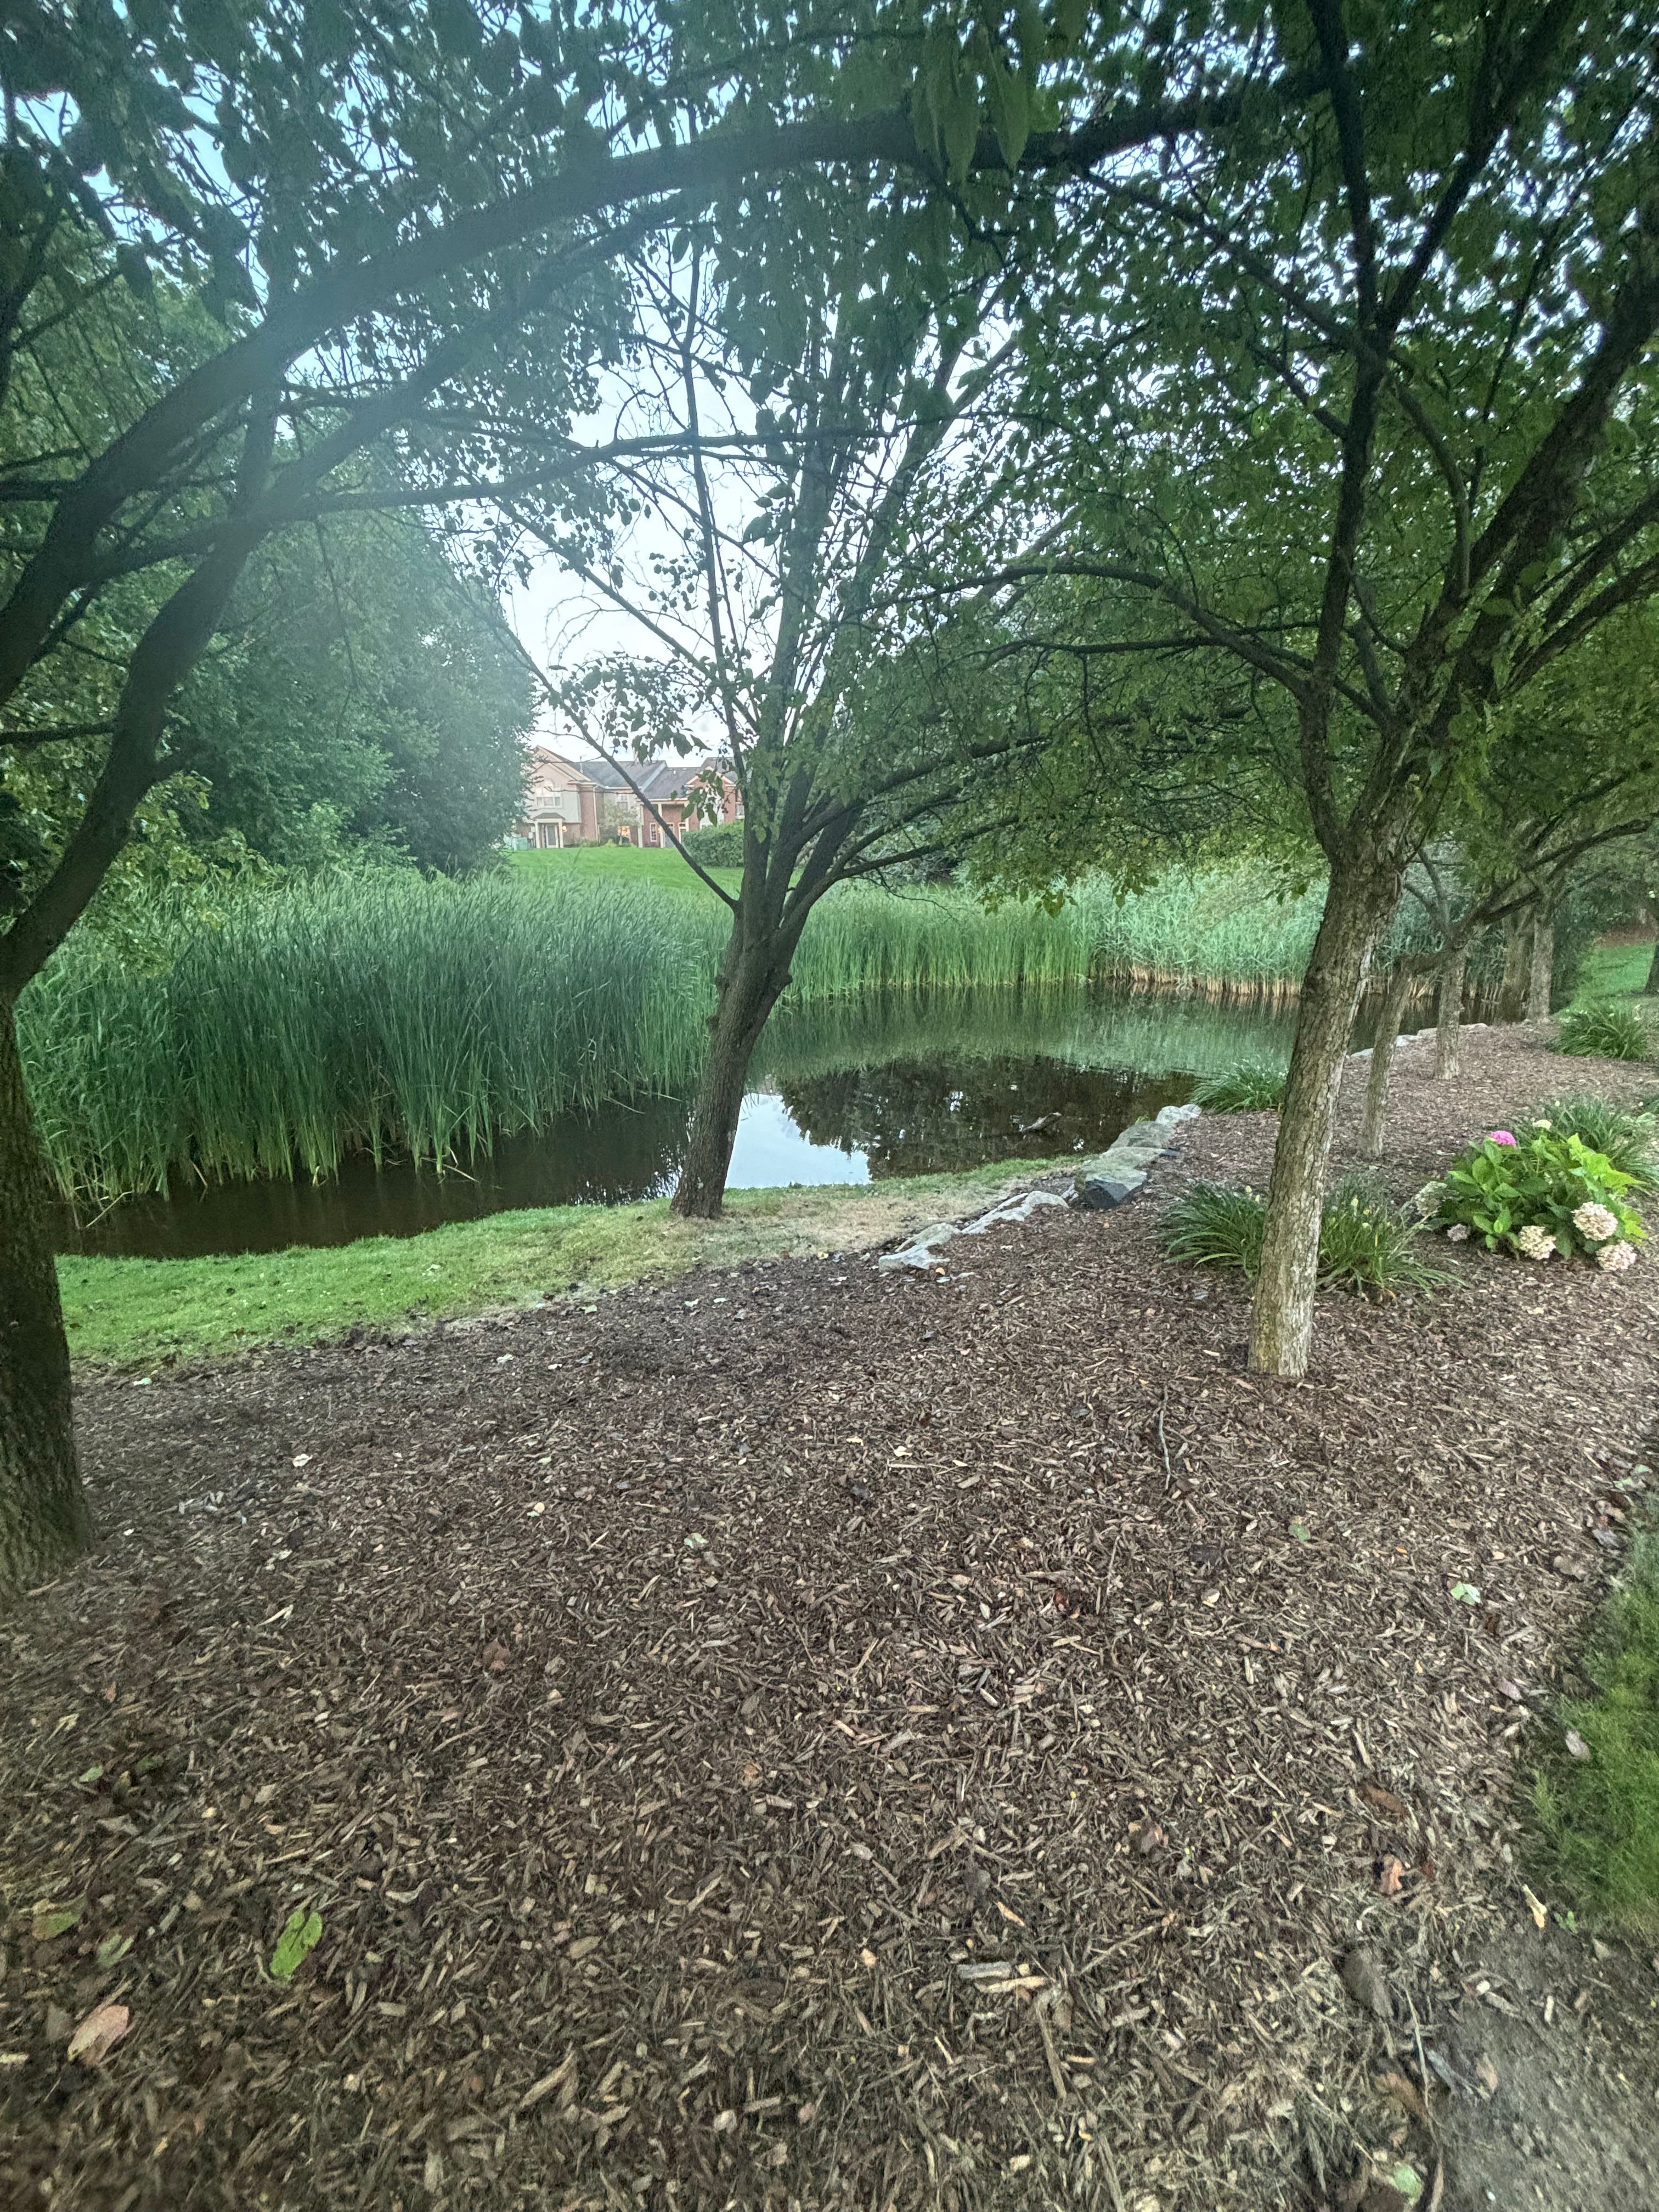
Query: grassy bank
{"type": "Point", "coordinates": [424, 1018]}
{"type": "Point", "coordinates": [126, 1312]}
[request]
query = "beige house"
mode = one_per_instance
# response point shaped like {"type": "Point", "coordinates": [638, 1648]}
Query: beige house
{"type": "Point", "coordinates": [562, 803]}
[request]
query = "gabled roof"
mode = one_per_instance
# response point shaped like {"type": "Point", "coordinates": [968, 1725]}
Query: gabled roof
{"type": "Point", "coordinates": [543, 758]}
{"type": "Point", "coordinates": [657, 780]}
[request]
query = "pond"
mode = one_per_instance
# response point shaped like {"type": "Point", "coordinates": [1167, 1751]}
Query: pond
{"type": "Point", "coordinates": [901, 1086]}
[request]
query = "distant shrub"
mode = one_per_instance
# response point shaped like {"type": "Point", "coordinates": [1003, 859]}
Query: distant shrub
{"type": "Point", "coordinates": [1606, 1029]}
{"type": "Point", "coordinates": [1366, 1243]}
{"type": "Point", "coordinates": [716, 844]}
{"type": "Point", "coordinates": [1252, 1087]}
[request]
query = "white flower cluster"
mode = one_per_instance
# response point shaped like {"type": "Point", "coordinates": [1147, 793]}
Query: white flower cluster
{"type": "Point", "coordinates": [1426, 1204]}
{"type": "Point", "coordinates": [1535, 1242]}
{"type": "Point", "coordinates": [1614, 1259]}
{"type": "Point", "coordinates": [1594, 1223]}
{"type": "Point", "coordinates": [1458, 1233]}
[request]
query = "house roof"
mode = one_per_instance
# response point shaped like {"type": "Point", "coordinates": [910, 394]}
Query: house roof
{"type": "Point", "coordinates": [547, 767]}
{"type": "Point", "coordinates": [657, 780]}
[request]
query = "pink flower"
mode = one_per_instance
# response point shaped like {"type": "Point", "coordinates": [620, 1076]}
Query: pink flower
{"type": "Point", "coordinates": [1501, 1137]}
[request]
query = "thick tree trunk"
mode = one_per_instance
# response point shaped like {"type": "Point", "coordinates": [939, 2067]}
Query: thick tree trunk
{"type": "Point", "coordinates": [43, 1511]}
{"type": "Point", "coordinates": [1517, 952]}
{"type": "Point", "coordinates": [1357, 906]}
{"type": "Point", "coordinates": [1449, 1012]}
{"type": "Point", "coordinates": [1374, 1123]}
{"type": "Point", "coordinates": [1652, 988]}
{"type": "Point", "coordinates": [1543, 970]}
{"type": "Point", "coordinates": [753, 976]}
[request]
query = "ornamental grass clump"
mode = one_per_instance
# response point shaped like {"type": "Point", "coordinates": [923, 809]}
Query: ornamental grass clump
{"type": "Point", "coordinates": [1366, 1243]}
{"type": "Point", "coordinates": [1252, 1087]}
{"type": "Point", "coordinates": [1630, 1141]}
{"type": "Point", "coordinates": [1604, 1029]}
{"type": "Point", "coordinates": [1546, 1192]}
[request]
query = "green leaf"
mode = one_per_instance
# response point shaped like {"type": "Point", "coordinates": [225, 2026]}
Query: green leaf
{"type": "Point", "coordinates": [298, 1939]}
{"type": "Point", "coordinates": [1466, 1592]}
{"type": "Point", "coordinates": [113, 1947]}
{"type": "Point", "coordinates": [953, 97]}
{"type": "Point", "coordinates": [1008, 100]}
{"type": "Point", "coordinates": [50, 1921]}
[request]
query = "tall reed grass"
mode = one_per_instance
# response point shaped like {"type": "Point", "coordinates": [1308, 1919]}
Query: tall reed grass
{"type": "Point", "coordinates": [390, 1013]}
{"type": "Point", "coordinates": [399, 1013]}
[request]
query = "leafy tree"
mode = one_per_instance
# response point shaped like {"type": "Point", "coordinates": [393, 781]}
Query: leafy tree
{"type": "Point", "coordinates": [274, 238]}
{"type": "Point", "coordinates": [357, 674]}
{"type": "Point", "coordinates": [1363, 403]}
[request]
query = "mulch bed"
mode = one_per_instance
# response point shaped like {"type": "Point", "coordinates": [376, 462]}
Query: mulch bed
{"type": "Point", "coordinates": [805, 1737]}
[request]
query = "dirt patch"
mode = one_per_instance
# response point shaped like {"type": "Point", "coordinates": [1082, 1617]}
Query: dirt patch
{"type": "Point", "coordinates": [1552, 2059]}
{"type": "Point", "coordinates": [806, 1737]}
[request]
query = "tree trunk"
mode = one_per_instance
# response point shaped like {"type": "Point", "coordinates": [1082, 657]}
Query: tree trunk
{"type": "Point", "coordinates": [1392, 1011]}
{"type": "Point", "coordinates": [1517, 952]}
{"type": "Point", "coordinates": [1652, 986]}
{"type": "Point", "coordinates": [43, 1512]}
{"type": "Point", "coordinates": [1357, 906]}
{"type": "Point", "coordinates": [753, 976]}
{"type": "Point", "coordinates": [1543, 970]}
{"type": "Point", "coordinates": [1449, 1012]}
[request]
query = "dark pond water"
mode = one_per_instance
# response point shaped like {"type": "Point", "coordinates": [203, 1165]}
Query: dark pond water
{"type": "Point", "coordinates": [904, 1086]}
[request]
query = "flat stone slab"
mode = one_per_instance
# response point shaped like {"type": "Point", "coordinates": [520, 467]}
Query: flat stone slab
{"type": "Point", "coordinates": [923, 1251]}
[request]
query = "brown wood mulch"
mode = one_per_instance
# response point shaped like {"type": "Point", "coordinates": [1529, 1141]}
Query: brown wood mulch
{"type": "Point", "coordinates": [805, 1737]}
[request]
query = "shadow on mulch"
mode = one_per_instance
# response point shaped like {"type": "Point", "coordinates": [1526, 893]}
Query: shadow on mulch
{"type": "Point", "coordinates": [805, 1737]}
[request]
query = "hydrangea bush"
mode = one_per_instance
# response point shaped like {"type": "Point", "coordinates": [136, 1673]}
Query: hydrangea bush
{"type": "Point", "coordinates": [1537, 1195]}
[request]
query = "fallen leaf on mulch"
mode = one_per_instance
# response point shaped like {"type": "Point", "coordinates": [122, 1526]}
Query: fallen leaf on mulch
{"type": "Point", "coordinates": [1390, 1876]}
{"type": "Point", "coordinates": [1362, 1977]}
{"type": "Point", "coordinates": [50, 1921]}
{"type": "Point", "coordinates": [1405, 2093]}
{"type": "Point", "coordinates": [1486, 2074]}
{"type": "Point", "coordinates": [1539, 1910]}
{"type": "Point", "coordinates": [1576, 1747]}
{"type": "Point", "coordinates": [300, 1937]}
{"type": "Point", "coordinates": [495, 1657]}
{"type": "Point", "coordinates": [102, 2028]}
{"type": "Point", "coordinates": [1384, 1801]}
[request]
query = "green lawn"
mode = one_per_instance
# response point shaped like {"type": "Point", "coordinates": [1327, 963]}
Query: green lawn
{"type": "Point", "coordinates": [658, 864]}
{"type": "Point", "coordinates": [1608, 969]}
{"type": "Point", "coordinates": [1595, 1795]}
{"type": "Point", "coordinates": [126, 1312]}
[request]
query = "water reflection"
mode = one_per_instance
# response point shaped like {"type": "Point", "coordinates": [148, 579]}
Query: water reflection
{"type": "Point", "coordinates": [904, 1085]}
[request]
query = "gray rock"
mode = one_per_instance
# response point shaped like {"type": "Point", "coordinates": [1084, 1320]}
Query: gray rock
{"type": "Point", "coordinates": [1170, 1117]}
{"type": "Point", "coordinates": [1100, 1192]}
{"type": "Point", "coordinates": [921, 1251]}
{"type": "Point", "coordinates": [1012, 1209]}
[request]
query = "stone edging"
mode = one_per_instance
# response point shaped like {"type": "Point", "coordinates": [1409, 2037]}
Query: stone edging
{"type": "Point", "coordinates": [1106, 1180]}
